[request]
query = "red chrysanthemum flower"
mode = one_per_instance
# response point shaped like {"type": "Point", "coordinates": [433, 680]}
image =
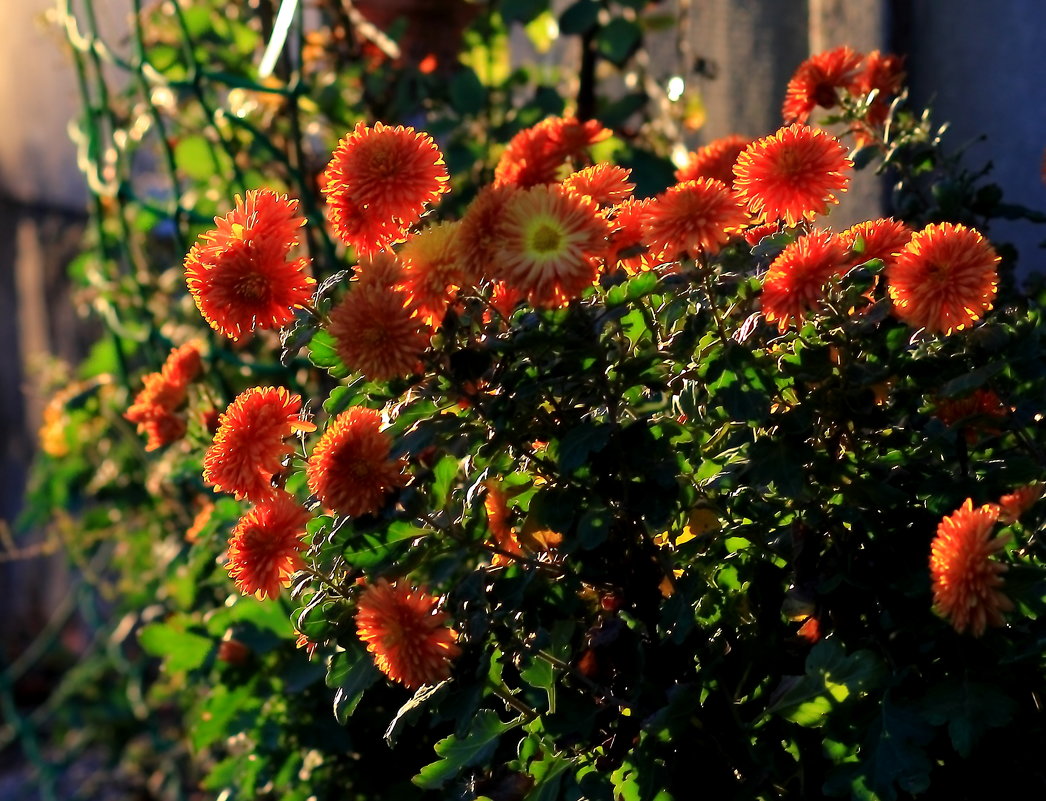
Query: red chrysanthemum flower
{"type": "Point", "coordinates": [249, 447]}
{"type": "Point", "coordinates": [715, 160]}
{"type": "Point", "coordinates": [882, 73]}
{"type": "Point", "coordinates": [966, 579]}
{"type": "Point", "coordinates": [876, 239]}
{"type": "Point", "coordinates": [693, 217]}
{"type": "Point", "coordinates": [378, 183]}
{"type": "Point", "coordinates": [350, 470]}
{"type": "Point", "coordinates": [944, 279]}
{"type": "Point", "coordinates": [498, 520]}
{"type": "Point", "coordinates": [535, 155]}
{"type": "Point", "coordinates": [239, 274]}
{"type": "Point", "coordinates": [794, 283]}
{"type": "Point", "coordinates": [974, 413]}
{"type": "Point", "coordinates": [793, 174]}
{"type": "Point", "coordinates": [550, 242]}
{"type": "Point", "coordinates": [478, 234]}
{"type": "Point", "coordinates": [504, 299]}
{"type": "Point", "coordinates": [817, 80]}
{"type": "Point", "coordinates": [163, 392]}
{"type": "Point", "coordinates": [266, 544]}
{"type": "Point", "coordinates": [432, 272]}
{"type": "Point", "coordinates": [161, 428]}
{"type": "Point", "coordinates": [606, 184]}
{"type": "Point", "coordinates": [377, 333]}
{"type": "Point", "coordinates": [757, 233]}
{"type": "Point", "coordinates": [409, 639]}
{"type": "Point", "coordinates": [382, 269]}
{"type": "Point", "coordinates": [627, 246]}
{"type": "Point", "coordinates": [1016, 503]}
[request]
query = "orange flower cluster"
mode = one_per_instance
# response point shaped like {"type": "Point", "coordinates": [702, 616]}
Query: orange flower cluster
{"type": "Point", "coordinates": [792, 175]}
{"type": "Point", "coordinates": [535, 155]}
{"type": "Point", "coordinates": [266, 544]}
{"type": "Point", "coordinates": [819, 79]}
{"type": "Point", "coordinates": [249, 448]}
{"type": "Point", "coordinates": [498, 520]}
{"type": "Point", "coordinates": [715, 160]}
{"type": "Point", "coordinates": [975, 413]}
{"type": "Point", "coordinates": [155, 405]}
{"type": "Point", "coordinates": [238, 273]}
{"type": "Point", "coordinates": [966, 577]}
{"type": "Point", "coordinates": [944, 279]}
{"type": "Point", "coordinates": [1016, 503]}
{"type": "Point", "coordinates": [350, 470]}
{"type": "Point", "coordinates": [876, 239]}
{"type": "Point", "coordinates": [409, 639]}
{"type": "Point", "coordinates": [378, 183]}
{"type": "Point", "coordinates": [793, 285]}
{"type": "Point", "coordinates": [695, 216]}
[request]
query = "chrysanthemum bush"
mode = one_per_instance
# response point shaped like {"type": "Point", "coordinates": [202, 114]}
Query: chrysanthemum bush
{"type": "Point", "coordinates": [577, 494]}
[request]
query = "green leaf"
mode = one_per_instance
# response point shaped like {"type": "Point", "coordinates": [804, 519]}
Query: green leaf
{"type": "Point", "coordinates": [831, 678]}
{"type": "Point", "coordinates": [580, 442]}
{"type": "Point", "coordinates": [217, 713]}
{"type": "Point", "coordinates": [968, 382]}
{"type": "Point", "coordinates": [894, 755]}
{"type": "Point", "coordinates": [467, 94]}
{"type": "Point", "coordinates": [579, 17]}
{"type": "Point", "coordinates": [370, 548]}
{"type": "Point", "coordinates": [323, 353]}
{"type": "Point", "coordinates": [457, 753]}
{"type": "Point", "coordinates": [197, 158]}
{"type": "Point", "coordinates": [181, 650]}
{"type": "Point", "coordinates": [351, 671]}
{"type": "Point", "coordinates": [616, 41]}
{"type": "Point", "coordinates": [444, 473]}
{"type": "Point", "coordinates": [969, 709]}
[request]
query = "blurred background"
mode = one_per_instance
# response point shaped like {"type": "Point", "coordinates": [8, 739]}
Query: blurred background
{"type": "Point", "coordinates": [979, 65]}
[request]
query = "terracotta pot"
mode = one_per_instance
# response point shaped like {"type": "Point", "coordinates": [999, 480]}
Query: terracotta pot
{"type": "Point", "coordinates": [434, 27]}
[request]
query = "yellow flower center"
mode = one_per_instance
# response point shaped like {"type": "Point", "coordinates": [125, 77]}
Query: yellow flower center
{"type": "Point", "coordinates": [546, 239]}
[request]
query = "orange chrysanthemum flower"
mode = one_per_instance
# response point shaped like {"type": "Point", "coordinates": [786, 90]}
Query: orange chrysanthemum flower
{"type": "Point", "coordinates": [409, 639]}
{"type": "Point", "coordinates": [974, 413]}
{"type": "Point", "coordinates": [966, 579]}
{"type": "Point", "coordinates": [266, 544]}
{"type": "Point", "coordinates": [498, 520]}
{"type": "Point", "coordinates": [876, 239]}
{"type": "Point", "coordinates": [478, 233]}
{"type": "Point", "coordinates": [432, 271]}
{"type": "Point", "coordinates": [1016, 503]}
{"type": "Point", "coordinates": [504, 299]}
{"type": "Point", "coordinates": [626, 245]}
{"type": "Point", "coordinates": [163, 392]}
{"type": "Point", "coordinates": [817, 80]}
{"type": "Point", "coordinates": [693, 217]}
{"type": "Point", "coordinates": [605, 184]}
{"type": "Point", "coordinates": [382, 269]}
{"type": "Point", "coordinates": [377, 333]}
{"type": "Point", "coordinates": [249, 447]}
{"type": "Point", "coordinates": [535, 155]}
{"type": "Point", "coordinates": [239, 274]}
{"type": "Point", "coordinates": [885, 74]}
{"type": "Point", "coordinates": [756, 233]}
{"type": "Point", "coordinates": [378, 183]}
{"type": "Point", "coordinates": [715, 160]}
{"type": "Point", "coordinates": [350, 469]}
{"type": "Point", "coordinates": [944, 279]}
{"type": "Point", "coordinates": [200, 521]}
{"type": "Point", "coordinates": [550, 241]}
{"type": "Point", "coordinates": [795, 281]}
{"type": "Point", "coordinates": [793, 174]}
